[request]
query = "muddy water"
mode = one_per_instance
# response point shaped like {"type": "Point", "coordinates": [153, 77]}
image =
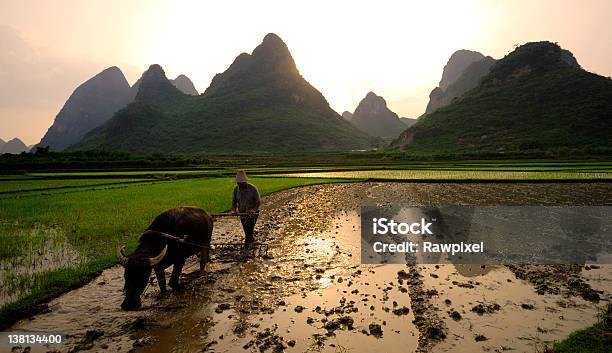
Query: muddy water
{"type": "Point", "coordinates": [47, 250]}
{"type": "Point", "coordinates": [524, 321]}
{"type": "Point", "coordinates": [312, 294]}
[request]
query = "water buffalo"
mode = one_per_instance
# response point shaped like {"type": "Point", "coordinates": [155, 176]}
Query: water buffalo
{"type": "Point", "coordinates": [155, 252]}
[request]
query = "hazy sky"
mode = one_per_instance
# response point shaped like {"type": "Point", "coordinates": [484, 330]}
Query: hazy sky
{"type": "Point", "coordinates": [344, 48]}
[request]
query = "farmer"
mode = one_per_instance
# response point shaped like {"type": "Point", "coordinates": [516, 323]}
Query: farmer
{"type": "Point", "coordinates": [246, 201]}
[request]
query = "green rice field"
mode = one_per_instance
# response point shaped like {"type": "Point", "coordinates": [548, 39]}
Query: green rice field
{"type": "Point", "coordinates": [26, 185]}
{"type": "Point", "coordinates": [50, 243]}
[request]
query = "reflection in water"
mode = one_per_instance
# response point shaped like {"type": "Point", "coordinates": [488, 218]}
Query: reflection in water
{"type": "Point", "coordinates": [474, 270]}
{"type": "Point", "coordinates": [509, 234]}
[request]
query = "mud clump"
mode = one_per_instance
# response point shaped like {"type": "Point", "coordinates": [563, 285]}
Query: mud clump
{"type": "Point", "coordinates": [430, 325]}
{"type": "Point", "coordinates": [405, 275]}
{"type": "Point", "coordinates": [556, 279]}
{"type": "Point", "coordinates": [468, 285]}
{"type": "Point", "coordinates": [401, 311]}
{"type": "Point", "coordinates": [481, 309]}
{"type": "Point", "coordinates": [319, 339]}
{"type": "Point", "coordinates": [454, 315]}
{"type": "Point", "coordinates": [480, 338]}
{"type": "Point", "coordinates": [222, 307]}
{"type": "Point", "coordinates": [435, 333]}
{"type": "Point", "coordinates": [578, 287]}
{"type": "Point", "coordinates": [375, 330]}
{"type": "Point", "coordinates": [240, 327]}
{"type": "Point", "coordinates": [343, 322]}
{"type": "Point", "coordinates": [267, 340]}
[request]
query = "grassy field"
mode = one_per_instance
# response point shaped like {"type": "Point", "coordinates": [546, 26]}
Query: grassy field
{"type": "Point", "coordinates": [129, 173]}
{"type": "Point", "coordinates": [26, 185]}
{"type": "Point", "coordinates": [54, 242]}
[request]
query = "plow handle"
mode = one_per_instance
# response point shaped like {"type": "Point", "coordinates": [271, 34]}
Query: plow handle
{"type": "Point", "coordinates": [229, 214]}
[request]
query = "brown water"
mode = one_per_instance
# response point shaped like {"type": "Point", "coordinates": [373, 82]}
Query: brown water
{"type": "Point", "coordinates": [312, 294]}
{"type": "Point", "coordinates": [527, 329]}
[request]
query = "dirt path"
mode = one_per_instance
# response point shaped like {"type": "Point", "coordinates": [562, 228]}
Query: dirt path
{"type": "Point", "coordinates": [312, 294]}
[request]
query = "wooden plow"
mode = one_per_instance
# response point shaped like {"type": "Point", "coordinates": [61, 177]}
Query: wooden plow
{"type": "Point", "coordinates": [227, 252]}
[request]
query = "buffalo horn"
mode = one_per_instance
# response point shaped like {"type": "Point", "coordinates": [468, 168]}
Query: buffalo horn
{"type": "Point", "coordinates": [121, 255]}
{"type": "Point", "coordinates": [157, 259]}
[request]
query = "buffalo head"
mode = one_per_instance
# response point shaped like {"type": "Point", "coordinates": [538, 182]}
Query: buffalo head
{"type": "Point", "coordinates": [136, 275]}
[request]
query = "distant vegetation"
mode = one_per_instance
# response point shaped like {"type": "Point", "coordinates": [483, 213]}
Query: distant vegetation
{"type": "Point", "coordinates": [534, 100]}
{"type": "Point", "coordinates": [43, 159]}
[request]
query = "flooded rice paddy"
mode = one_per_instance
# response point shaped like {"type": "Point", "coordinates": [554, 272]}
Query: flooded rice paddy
{"type": "Point", "coordinates": [467, 175]}
{"type": "Point", "coordinates": [312, 294]}
{"type": "Point", "coordinates": [46, 249]}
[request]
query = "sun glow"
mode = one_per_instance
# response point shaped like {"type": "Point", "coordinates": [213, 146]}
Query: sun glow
{"type": "Point", "coordinates": [345, 49]}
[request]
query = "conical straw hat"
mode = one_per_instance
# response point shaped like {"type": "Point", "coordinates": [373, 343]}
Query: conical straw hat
{"type": "Point", "coordinates": [241, 177]}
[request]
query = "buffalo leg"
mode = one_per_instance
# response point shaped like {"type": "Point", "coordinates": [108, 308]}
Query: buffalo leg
{"type": "Point", "coordinates": [161, 279]}
{"type": "Point", "coordinates": [204, 258]}
{"type": "Point", "coordinates": [176, 272]}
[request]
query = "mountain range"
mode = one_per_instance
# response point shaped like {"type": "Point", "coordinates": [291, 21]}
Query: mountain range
{"type": "Point", "coordinates": [93, 103]}
{"type": "Point", "coordinates": [373, 117]}
{"type": "Point", "coordinates": [90, 105]}
{"type": "Point", "coordinates": [13, 146]}
{"type": "Point", "coordinates": [408, 121]}
{"type": "Point", "coordinates": [348, 116]}
{"type": "Point", "coordinates": [460, 74]}
{"type": "Point", "coordinates": [535, 98]}
{"type": "Point", "coordinates": [184, 84]}
{"type": "Point", "coordinates": [456, 65]}
{"type": "Point", "coordinates": [261, 103]}
{"type": "Point", "coordinates": [466, 81]}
